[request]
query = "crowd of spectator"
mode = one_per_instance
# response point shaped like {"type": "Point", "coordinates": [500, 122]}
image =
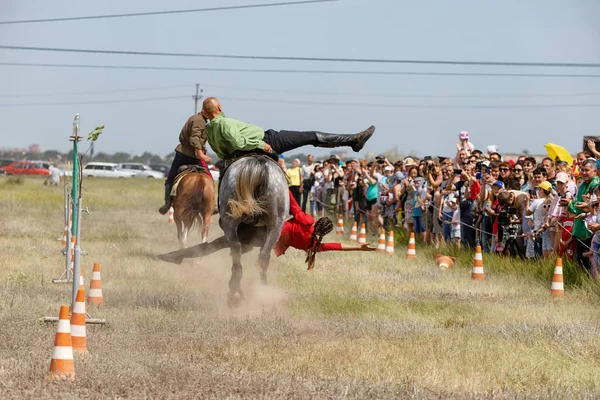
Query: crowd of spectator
{"type": "Point", "coordinates": [519, 207]}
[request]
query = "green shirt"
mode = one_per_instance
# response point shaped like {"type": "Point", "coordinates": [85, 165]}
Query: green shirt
{"type": "Point", "coordinates": [227, 135]}
{"type": "Point", "coordinates": [579, 229]}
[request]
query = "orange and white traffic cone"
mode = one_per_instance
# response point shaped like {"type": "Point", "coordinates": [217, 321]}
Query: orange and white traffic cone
{"type": "Point", "coordinates": [389, 247]}
{"type": "Point", "coordinates": [95, 294]}
{"type": "Point", "coordinates": [362, 237]}
{"type": "Point", "coordinates": [81, 282]}
{"type": "Point", "coordinates": [340, 226]}
{"type": "Point", "coordinates": [73, 242]}
{"type": "Point", "coordinates": [411, 251]}
{"type": "Point", "coordinates": [353, 232]}
{"type": "Point", "coordinates": [477, 274]}
{"type": "Point", "coordinates": [381, 244]}
{"type": "Point", "coordinates": [62, 365]}
{"type": "Point", "coordinates": [558, 286]}
{"type": "Point", "coordinates": [67, 227]}
{"type": "Point", "coordinates": [171, 215]}
{"type": "Point", "coordinates": [64, 238]}
{"type": "Point", "coordinates": [78, 333]}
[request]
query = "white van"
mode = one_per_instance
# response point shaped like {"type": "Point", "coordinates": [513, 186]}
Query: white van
{"type": "Point", "coordinates": [105, 170]}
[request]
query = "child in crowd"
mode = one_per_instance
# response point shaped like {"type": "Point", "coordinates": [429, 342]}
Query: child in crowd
{"type": "Point", "coordinates": [454, 222]}
{"type": "Point", "coordinates": [465, 144]}
{"type": "Point", "coordinates": [567, 246]}
{"type": "Point", "coordinates": [419, 208]}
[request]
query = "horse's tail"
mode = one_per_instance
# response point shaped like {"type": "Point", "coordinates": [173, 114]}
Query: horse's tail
{"type": "Point", "coordinates": [191, 204]}
{"type": "Point", "coordinates": [250, 184]}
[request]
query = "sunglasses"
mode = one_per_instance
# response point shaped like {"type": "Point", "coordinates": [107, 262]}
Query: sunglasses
{"type": "Point", "coordinates": [518, 170]}
{"type": "Point", "coordinates": [504, 169]}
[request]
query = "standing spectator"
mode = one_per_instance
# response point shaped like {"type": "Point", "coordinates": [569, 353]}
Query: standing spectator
{"type": "Point", "coordinates": [308, 179]}
{"type": "Point", "coordinates": [505, 173]}
{"type": "Point", "coordinates": [434, 180]}
{"type": "Point", "coordinates": [408, 191]}
{"type": "Point", "coordinates": [54, 175]}
{"type": "Point", "coordinates": [580, 234]}
{"type": "Point", "coordinates": [318, 190]}
{"type": "Point", "coordinates": [594, 226]}
{"type": "Point", "coordinates": [294, 175]}
{"type": "Point", "coordinates": [539, 209]}
{"type": "Point", "coordinates": [466, 206]}
{"type": "Point", "coordinates": [548, 165]}
{"type": "Point", "coordinates": [445, 212]}
{"type": "Point", "coordinates": [555, 212]}
{"type": "Point", "coordinates": [371, 197]}
{"type": "Point", "coordinates": [521, 177]}
{"type": "Point", "coordinates": [419, 215]}
{"type": "Point", "coordinates": [359, 201]}
{"type": "Point", "coordinates": [454, 222]}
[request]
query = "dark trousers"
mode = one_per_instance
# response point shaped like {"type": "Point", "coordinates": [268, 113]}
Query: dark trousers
{"type": "Point", "coordinates": [296, 193]}
{"type": "Point", "coordinates": [467, 232]}
{"type": "Point", "coordinates": [583, 245]}
{"type": "Point", "coordinates": [307, 186]}
{"type": "Point", "coordinates": [282, 141]}
{"type": "Point", "coordinates": [180, 160]}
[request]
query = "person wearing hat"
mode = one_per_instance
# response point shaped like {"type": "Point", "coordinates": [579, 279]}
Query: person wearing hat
{"type": "Point", "coordinates": [465, 144]}
{"type": "Point", "coordinates": [454, 222]}
{"type": "Point", "coordinates": [409, 162]}
{"type": "Point", "coordinates": [556, 210]}
{"type": "Point", "coordinates": [539, 209]}
{"type": "Point", "coordinates": [582, 235]}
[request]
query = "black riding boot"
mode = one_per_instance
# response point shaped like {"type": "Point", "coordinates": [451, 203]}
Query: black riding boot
{"type": "Point", "coordinates": [165, 208]}
{"type": "Point", "coordinates": [357, 141]}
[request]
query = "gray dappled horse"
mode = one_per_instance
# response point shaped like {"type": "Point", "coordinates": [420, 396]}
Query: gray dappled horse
{"type": "Point", "coordinates": [253, 206]}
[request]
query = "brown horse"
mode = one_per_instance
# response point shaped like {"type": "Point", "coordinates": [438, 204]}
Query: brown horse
{"type": "Point", "coordinates": [194, 204]}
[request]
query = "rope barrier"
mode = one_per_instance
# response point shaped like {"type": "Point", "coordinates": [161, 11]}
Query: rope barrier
{"type": "Point", "coordinates": [529, 235]}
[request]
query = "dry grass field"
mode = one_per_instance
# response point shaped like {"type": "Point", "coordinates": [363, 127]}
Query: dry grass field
{"type": "Point", "coordinates": [360, 325]}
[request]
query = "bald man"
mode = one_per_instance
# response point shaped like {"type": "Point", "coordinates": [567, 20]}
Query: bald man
{"type": "Point", "coordinates": [190, 151]}
{"type": "Point", "coordinates": [230, 138]}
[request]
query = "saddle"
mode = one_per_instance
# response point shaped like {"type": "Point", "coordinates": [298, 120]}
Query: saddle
{"type": "Point", "coordinates": [183, 171]}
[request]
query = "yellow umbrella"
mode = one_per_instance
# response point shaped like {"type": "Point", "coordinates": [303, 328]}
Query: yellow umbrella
{"type": "Point", "coordinates": [555, 151]}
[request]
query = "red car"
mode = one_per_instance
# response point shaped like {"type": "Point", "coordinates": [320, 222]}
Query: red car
{"type": "Point", "coordinates": [27, 168]}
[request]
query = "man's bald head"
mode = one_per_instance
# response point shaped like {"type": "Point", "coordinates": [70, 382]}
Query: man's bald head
{"type": "Point", "coordinates": [211, 108]}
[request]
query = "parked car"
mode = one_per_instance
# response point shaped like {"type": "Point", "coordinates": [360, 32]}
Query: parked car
{"type": "Point", "coordinates": [27, 168]}
{"type": "Point", "coordinates": [105, 170]}
{"type": "Point", "coordinates": [4, 163]}
{"type": "Point", "coordinates": [141, 171]}
{"type": "Point", "coordinates": [64, 172]}
{"type": "Point", "coordinates": [161, 168]}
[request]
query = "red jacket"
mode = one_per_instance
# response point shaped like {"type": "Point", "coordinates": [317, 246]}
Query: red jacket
{"type": "Point", "coordinates": [298, 231]}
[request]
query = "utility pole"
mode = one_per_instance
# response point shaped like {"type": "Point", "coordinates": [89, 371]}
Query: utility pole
{"type": "Point", "coordinates": [196, 98]}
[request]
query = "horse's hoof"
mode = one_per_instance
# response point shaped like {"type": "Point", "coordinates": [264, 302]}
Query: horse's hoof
{"type": "Point", "coordinates": [235, 299]}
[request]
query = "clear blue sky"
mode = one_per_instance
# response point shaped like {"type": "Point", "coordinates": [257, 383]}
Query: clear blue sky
{"type": "Point", "coordinates": [532, 31]}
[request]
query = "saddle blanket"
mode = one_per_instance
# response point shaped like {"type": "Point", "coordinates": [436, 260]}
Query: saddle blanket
{"type": "Point", "coordinates": [184, 171]}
